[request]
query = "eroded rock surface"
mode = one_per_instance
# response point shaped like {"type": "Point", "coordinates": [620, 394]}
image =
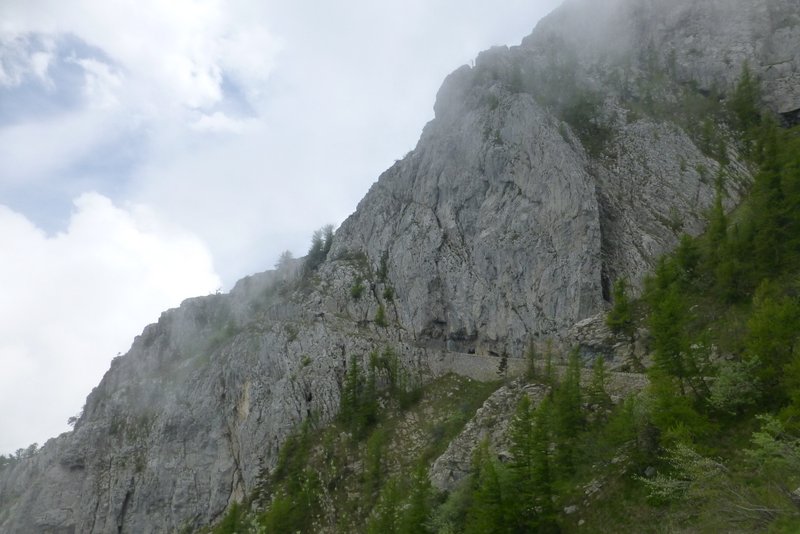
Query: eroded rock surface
{"type": "Point", "coordinates": [551, 169]}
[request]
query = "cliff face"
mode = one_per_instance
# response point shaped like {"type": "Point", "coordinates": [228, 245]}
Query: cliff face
{"type": "Point", "coordinates": [551, 169]}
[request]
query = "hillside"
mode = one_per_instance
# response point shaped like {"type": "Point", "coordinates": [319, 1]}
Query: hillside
{"type": "Point", "coordinates": [552, 171]}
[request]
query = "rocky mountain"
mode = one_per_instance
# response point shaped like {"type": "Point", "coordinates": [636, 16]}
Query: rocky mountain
{"type": "Point", "coordinates": [551, 169]}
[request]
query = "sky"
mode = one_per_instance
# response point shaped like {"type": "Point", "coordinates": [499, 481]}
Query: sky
{"type": "Point", "coordinates": [155, 150]}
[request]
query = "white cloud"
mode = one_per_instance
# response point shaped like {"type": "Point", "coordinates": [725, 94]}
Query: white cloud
{"type": "Point", "coordinates": [72, 301]}
{"type": "Point", "coordinates": [174, 53]}
{"type": "Point", "coordinates": [101, 83]}
{"type": "Point", "coordinates": [22, 59]}
{"type": "Point", "coordinates": [219, 122]}
{"type": "Point", "coordinates": [39, 151]}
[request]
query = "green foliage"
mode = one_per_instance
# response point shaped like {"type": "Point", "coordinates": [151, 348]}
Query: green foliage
{"type": "Point", "coordinates": [380, 316]}
{"type": "Point", "coordinates": [357, 289]}
{"type": "Point", "coordinates": [668, 319]}
{"type": "Point", "coordinates": [531, 509]}
{"type": "Point", "coordinates": [417, 513]}
{"type": "Point", "coordinates": [386, 518]}
{"type": "Point", "coordinates": [774, 451]}
{"type": "Point", "coordinates": [531, 360]}
{"type": "Point", "coordinates": [383, 269]}
{"type": "Point", "coordinates": [549, 371]}
{"type": "Point", "coordinates": [388, 293]}
{"type": "Point", "coordinates": [620, 318]}
{"type": "Point", "coordinates": [569, 417]}
{"type": "Point", "coordinates": [374, 468]}
{"type": "Point", "coordinates": [745, 101]}
{"type": "Point", "coordinates": [597, 394]}
{"type": "Point", "coordinates": [688, 476]}
{"type": "Point", "coordinates": [405, 506]}
{"type": "Point", "coordinates": [232, 522]}
{"type": "Point", "coordinates": [502, 366]}
{"type": "Point", "coordinates": [293, 511]}
{"type": "Point", "coordinates": [672, 411]}
{"type": "Point", "coordinates": [737, 387]}
{"type": "Point", "coordinates": [583, 114]}
{"type": "Point", "coordinates": [321, 243]}
{"type": "Point", "coordinates": [452, 513]}
{"type": "Point", "coordinates": [358, 404]}
{"type": "Point", "coordinates": [19, 455]}
{"type": "Point", "coordinates": [293, 455]}
{"type": "Point", "coordinates": [523, 467]}
{"type": "Point", "coordinates": [773, 331]}
{"type": "Point", "coordinates": [488, 513]}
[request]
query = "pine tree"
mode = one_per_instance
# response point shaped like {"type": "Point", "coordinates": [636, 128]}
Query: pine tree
{"type": "Point", "coordinates": [772, 335]}
{"type": "Point", "coordinates": [549, 370]}
{"type": "Point", "coordinates": [386, 517]}
{"type": "Point", "coordinates": [744, 103]}
{"type": "Point", "coordinates": [523, 472]}
{"type": "Point", "coordinates": [488, 512]}
{"type": "Point", "coordinates": [597, 388]}
{"type": "Point", "coordinates": [687, 261]}
{"type": "Point", "coordinates": [668, 319]}
{"type": "Point", "coordinates": [374, 462]}
{"type": "Point", "coordinates": [620, 319]}
{"type": "Point", "coordinates": [417, 514]}
{"type": "Point", "coordinates": [351, 393]}
{"type": "Point", "coordinates": [531, 358]}
{"type": "Point", "coordinates": [544, 477]}
{"type": "Point", "coordinates": [717, 231]}
{"type": "Point", "coordinates": [567, 400]}
{"type": "Point", "coordinates": [502, 366]}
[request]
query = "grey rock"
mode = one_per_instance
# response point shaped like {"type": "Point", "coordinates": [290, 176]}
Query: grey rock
{"type": "Point", "coordinates": [504, 224]}
{"type": "Point", "coordinates": [704, 42]}
{"type": "Point", "coordinates": [490, 423]}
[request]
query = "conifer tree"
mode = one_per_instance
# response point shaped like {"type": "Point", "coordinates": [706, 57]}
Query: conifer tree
{"type": "Point", "coordinates": [597, 387]}
{"type": "Point", "coordinates": [544, 477]}
{"type": "Point", "coordinates": [744, 103]}
{"type": "Point", "coordinates": [549, 370]}
{"type": "Point", "coordinates": [487, 515]}
{"type": "Point", "coordinates": [531, 358]}
{"type": "Point", "coordinates": [351, 392]}
{"type": "Point", "coordinates": [418, 511]}
{"type": "Point", "coordinates": [620, 319]}
{"type": "Point", "coordinates": [668, 319]}
{"type": "Point", "coordinates": [523, 472]}
{"type": "Point", "coordinates": [567, 400]}
{"type": "Point", "coordinates": [386, 517]}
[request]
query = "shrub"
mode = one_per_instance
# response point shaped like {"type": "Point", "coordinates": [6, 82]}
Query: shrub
{"type": "Point", "coordinates": [358, 288]}
{"type": "Point", "coordinates": [380, 317]}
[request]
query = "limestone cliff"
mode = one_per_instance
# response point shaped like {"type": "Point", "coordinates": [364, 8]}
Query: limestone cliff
{"type": "Point", "coordinates": [550, 169]}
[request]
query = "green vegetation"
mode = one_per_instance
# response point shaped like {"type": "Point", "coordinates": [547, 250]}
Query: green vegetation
{"type": "Point", "coordinates": [380, 316]}
{"type": "Point", "coordinates": [321, 243]}
{"type": "Point", "coordinates": [711, 445]}
{"type": "Point", "coordinates": [388, 294]}
{"type": "Point", "coordinates": [368, 470]}
{"type": "Point", "coordinates": [620, 318]}
{"type": "Point", "coordinates": [18, 456]}
{"type": "Point", "coordinates": [383, 269]}
{"type": "Point", "coordinates": [357, 289]}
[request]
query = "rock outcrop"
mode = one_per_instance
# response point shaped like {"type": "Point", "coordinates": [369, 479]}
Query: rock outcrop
{"type": "Point", "coordinates": [550, 170]}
